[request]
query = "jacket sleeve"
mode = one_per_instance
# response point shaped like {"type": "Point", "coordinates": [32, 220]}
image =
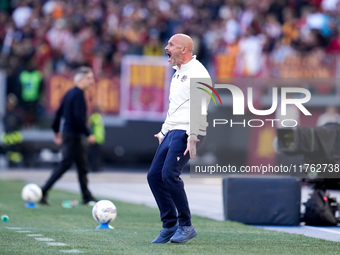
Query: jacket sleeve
{"type": "Point", "coordinates": [165, 128]}
{"type": "Point", "coordinates": [57, 118]}
{"type": "Point", "coordinates": [199, 96]}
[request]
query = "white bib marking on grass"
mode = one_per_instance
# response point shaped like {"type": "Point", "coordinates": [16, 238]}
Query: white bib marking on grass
{"type": "Point", "coordinates": [13, 228]}
{"type": "Point", "coordinates": [71, 251]}
{"type": "Point", "coordinates": [34, 235]}
{"type": "Point", "coordinates": [44, 239]}
{"type": "Point", "coordinates": [56, 244]}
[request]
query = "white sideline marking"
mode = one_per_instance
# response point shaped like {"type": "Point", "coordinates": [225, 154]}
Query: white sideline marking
{"type": "Point", "coordinates": [23, 231]}
{"type": "Point", "coordinates": [34, 235]}
{"type": "Point", "coordinates": [44, 239]}
{"type": "Point", "coordinates": [323, 229]}
{"type": "Point", "coordinates": [71, 251]}
{"type": "Point", "coordinates": [56, 244]}
{"type": "Point", "coordinates": [13, 228]}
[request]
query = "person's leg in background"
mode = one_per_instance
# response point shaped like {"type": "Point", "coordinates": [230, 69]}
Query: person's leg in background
{"type": "Point", "coordinates": [83, 169]}
{"type": "Point", "coordinates": [68, 155]}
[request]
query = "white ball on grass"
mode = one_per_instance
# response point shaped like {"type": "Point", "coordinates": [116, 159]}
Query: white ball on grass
{"type": "Point", "coordinates": [104, 211]}
{"type": "Point", "coordinates": [31, 193]}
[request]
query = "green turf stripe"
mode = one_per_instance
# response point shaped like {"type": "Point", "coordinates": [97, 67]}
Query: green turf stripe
{"type": "Point", "coordinates": [135, 226]}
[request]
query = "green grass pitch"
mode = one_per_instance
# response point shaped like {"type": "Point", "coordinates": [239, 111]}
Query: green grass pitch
{"type": "Point", "coordinates": [135, 226]}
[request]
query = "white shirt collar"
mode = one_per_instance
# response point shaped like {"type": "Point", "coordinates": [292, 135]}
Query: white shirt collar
{"type": "Point", "coordinates": [185, 66]}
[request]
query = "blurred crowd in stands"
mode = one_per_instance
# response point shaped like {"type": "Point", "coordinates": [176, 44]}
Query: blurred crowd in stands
{"type": "Point", "coordinates": [57, 36]}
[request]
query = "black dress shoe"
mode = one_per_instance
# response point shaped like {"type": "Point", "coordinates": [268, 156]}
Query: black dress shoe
{"type": "Point", "coordinates": [44, 201]}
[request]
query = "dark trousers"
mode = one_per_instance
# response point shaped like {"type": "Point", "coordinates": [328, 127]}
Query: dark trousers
{"type": "Point", "coordinates": [73, 150]}
{"type": "Point", "coordinates": [165, 182]}
{"type": "Point", "coordinates": [94, 156]}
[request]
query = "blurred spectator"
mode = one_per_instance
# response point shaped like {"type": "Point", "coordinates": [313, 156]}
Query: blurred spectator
{"type": "Point", "coordinates": [250, 47]}
{"type": "Point", "coordinates": [290, 32]}
{"type": "Point", "coordinates": [329, 5]}
{"type": "Point", "coordinates": [281, 52]}
{"type": "Point", "coordinates": [77, 30]}
{"type": "Point", "coordinates": [330, 115]}
{"type": "Point", "coordinates": [96, 124]}
{"type": "Point", "coordinates": [12, 137]}
{"type": "Point", "coordinates": [153, 47]}
{"type": "Point", "coordinates": [319, 21]}
{"type": "Point", "coordinates": [43, 53]}
{"type": "Point", "coordinates": [272, 31]}
{"type": "Point", "coordinates": [21, 14]}
{"type": "Point", "coordinates": [62, 35]}
{"type": "Point", "coordinates": [334, 46]}
{"type": "Point", "coordinates": [31, 91]}
{"type": "Point", "coordinates": [231, 29]}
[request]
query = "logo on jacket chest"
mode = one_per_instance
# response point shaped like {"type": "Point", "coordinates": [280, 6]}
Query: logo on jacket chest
{"type": "Point", "coordinates": [184, 78]}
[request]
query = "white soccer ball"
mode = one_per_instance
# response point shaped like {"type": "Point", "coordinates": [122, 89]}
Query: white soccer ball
{"type": "Point", "coordinates": [31, 193]}
{"type": "Point", "coordinates": [104, 211]}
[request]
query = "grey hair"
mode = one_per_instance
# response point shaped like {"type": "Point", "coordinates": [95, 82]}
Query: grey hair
{"type": "Point", "coordinates": [81, 73]}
